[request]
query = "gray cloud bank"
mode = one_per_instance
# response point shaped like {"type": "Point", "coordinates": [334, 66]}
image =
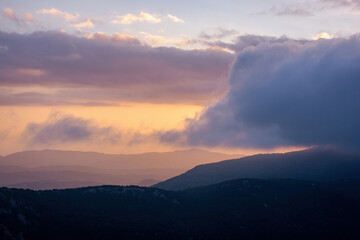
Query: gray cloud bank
{"type": "Point", "coordinates": [285, 93]}
{"type": "Point", "coordinates": [119, 67]}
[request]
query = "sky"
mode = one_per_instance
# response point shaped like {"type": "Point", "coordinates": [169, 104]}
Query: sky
{"type": "Point", "coordinates": [138, 76]}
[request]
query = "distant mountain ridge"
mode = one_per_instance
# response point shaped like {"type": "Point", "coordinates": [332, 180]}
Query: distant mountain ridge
{"type": "Point", "coordinates": [48, 169]}
{"type": "Point", "coordinates": [175, 159]}
{"type": "Point", "coordinates": [318, 164]}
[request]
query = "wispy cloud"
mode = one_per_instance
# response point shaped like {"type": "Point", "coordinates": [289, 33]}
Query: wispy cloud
{"type": "Point", "coordinates": [86, 24]}
{"type": "Point", "coordinates": [13, 16]}
{"type": "Point", "coordinates": [219, 34]}
{"type": "Point", "coordinates": [353, 4]}
{"type": "Point", "coordinates": [157, 40]}
{"type": "Point", "coordinates": [311, 8]}
{"type": "Point", "coordinates": [145, 17]}
{"type": "Point", "coordinates": [30, 97]}
{"type": "Point", "coordinates": [29, 17]}
{"type": "Point", "coordinates": [31, 72]}
{"type": "Point", "coordinates": [175, 19]}
{"type": "Point", "coordinates": [60, 128]}
{"type": "Point", "coordinates": [141, 17]}
{"type": "Point", "coordinates": [63, 14]}
{"type": "Point", "coordinates": [116, 38]}
{"type": "Point", "coordinates": [289, 10]}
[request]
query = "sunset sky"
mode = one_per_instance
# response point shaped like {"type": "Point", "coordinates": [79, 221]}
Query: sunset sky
{"type": "Point", "coordinates": [138, 76]}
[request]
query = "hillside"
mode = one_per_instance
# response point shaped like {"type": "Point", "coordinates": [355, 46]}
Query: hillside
{"type": "Point", "coordinates": [48, 169]}
{"type": "Point", "coordinates": [239, 209]}
{"type": "Point", "coordinates": [319, 164]}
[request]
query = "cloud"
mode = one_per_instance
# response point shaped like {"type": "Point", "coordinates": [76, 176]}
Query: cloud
{"type": "Point", "coordinates": [60, 128]}
{"type": "Point", "coordinates": [145, 17]}
{"type": "Point", "coordinates": [20, 20]}
{"type": "Point", "coordinates": [175, 19]}
{"type": "Point", "coordinates": [80, 22]}
{"type": "Point", "coordinates": [86, 24]}
{"type": "Point", "coordinates": [220, 33]}
{"type": "Point", "coordinates": [123, 39]}
{"type": "Point", "coordinates": [9, 97]}
{"type": "Point", "coordinates": [222, 49]}
{"type": "Point", "coordinates": [285, 93]}
{"type": "Point", "coordinates": [141, 17]}
{"type": "Point", "coordinates": [311, 8]}
{"type": "Point", "coordinates": [157, 40]}
{"type": "Point", "coordinates": [103, 68]}
{"type": "Point", "coordinates": [64, 15]}
{"type": "Point", "coordinates": [245, 41]}
{"type": "Point", "coordinates": [31, 72]}
{"type": "Point", "coordinates": [29, 17]}
{"type": "Point", "coordinates": [353, 4]}
{"type": "Point", "coordinates": [322, 35]}
{"type": "Point", "coordinates": [289, 11]}
{"type": "Point", "coordinates": [10, 14]}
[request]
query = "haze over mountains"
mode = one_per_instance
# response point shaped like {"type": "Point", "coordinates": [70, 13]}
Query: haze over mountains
{"type": "Point", "coordinates": [317, 164]}
{"type": "Point", "coordinates": [49, 169]}
{"type": "Point", "coordinates": [243, 207]}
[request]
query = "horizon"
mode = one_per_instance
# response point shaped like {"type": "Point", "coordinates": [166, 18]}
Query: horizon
{"type": "Point", "coordinates": [61, 150]}
{"type": "Point", "coordinates": [136, 77]}
{"type": "Point", "coordinates": [171, 151]}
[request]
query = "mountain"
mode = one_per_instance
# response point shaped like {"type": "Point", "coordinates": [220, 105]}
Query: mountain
{"type": "Point", "coordinates": [58, 179]}
{"type": "Point", "coordinates": [238, 209]}
{"type": "Point", "coordinates": [47, 184]}
{"type": "Point", "coordinates": [48, 169]}
{"type": "Point", "coordinates": [320, 164]}
{"type": "Point", "coordinates": [178, 159]}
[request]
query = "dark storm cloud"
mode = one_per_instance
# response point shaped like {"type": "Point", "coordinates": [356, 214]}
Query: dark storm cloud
{"type": "Point", "coordinates": [64, 129]}
{"type": "Point", "coordinates": [55, 59]}
{"type": "Point", "coordinates": [285, 93]}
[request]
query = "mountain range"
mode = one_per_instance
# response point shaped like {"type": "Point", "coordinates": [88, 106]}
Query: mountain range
{"type": "Point", "coordinates": [317, 164]}
{"type": "Point", "coordinates": [49, 169]}
{"type": "Point", "coordinates": [308, 194]}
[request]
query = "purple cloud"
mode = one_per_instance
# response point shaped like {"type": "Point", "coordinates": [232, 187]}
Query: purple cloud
{"type": "Point", "coordinates": [60, 98]}
{"type": "Point", "coordinates": [285, 93]}
{"type": "Point", "coordinates": [138, 72]}
{"type": "Point", "coordinates": [66, 129]}
{"type": "Point", "coordinates": [11, 15]}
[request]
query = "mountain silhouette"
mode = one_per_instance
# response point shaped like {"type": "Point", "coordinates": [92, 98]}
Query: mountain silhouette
{"type": "Point", "coordinates": [318, 164]}
{"type": "Point", "coordinates": [238, 209]}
